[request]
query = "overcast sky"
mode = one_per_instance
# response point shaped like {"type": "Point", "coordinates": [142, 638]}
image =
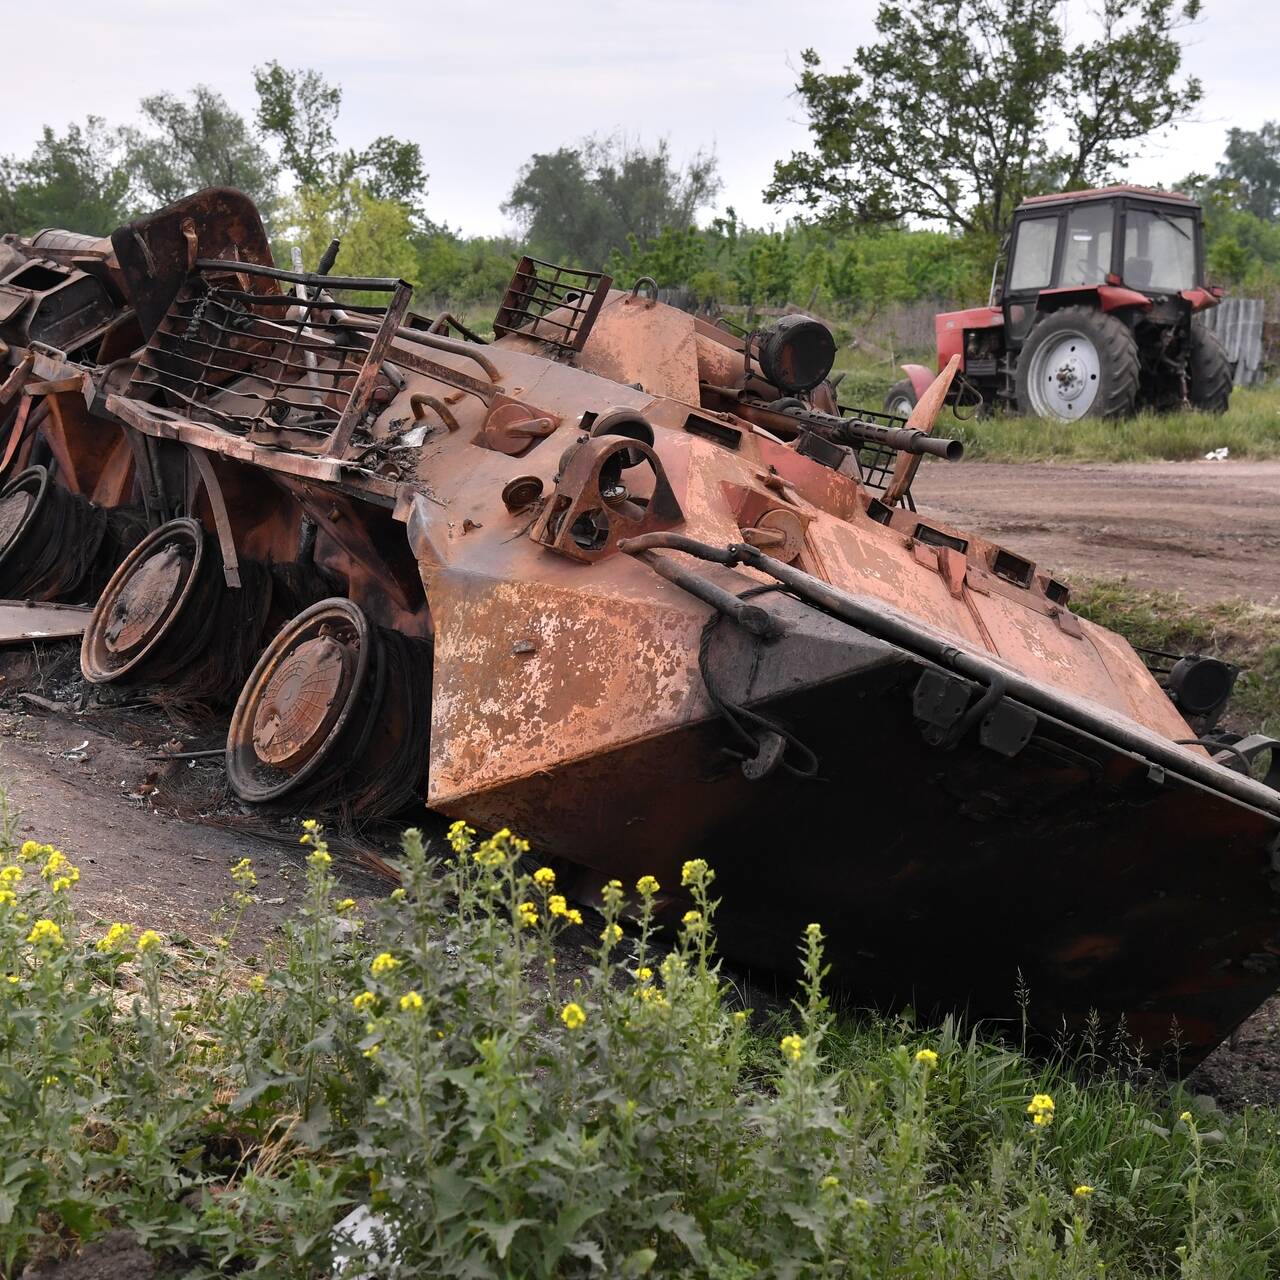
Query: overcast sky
{"type": "Point", "coordinates": [483, 84]}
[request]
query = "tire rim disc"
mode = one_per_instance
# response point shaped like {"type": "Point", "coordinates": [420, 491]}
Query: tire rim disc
{"type": "Point", "coordinates": [142, 600]}
{"type": "Point", "coordinates": [1065, 376]}
{"type": "Point", "coordinates": [298, 700]}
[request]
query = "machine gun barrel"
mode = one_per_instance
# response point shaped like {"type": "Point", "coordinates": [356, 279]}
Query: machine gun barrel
{"type": "Point", "coordinates": [904, 439]}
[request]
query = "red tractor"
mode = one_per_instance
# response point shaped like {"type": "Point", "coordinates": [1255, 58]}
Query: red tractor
{"type": "Point", "coordinates": [1094, 315]}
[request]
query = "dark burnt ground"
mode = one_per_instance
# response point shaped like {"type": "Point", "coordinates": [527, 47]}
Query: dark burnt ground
{"type": "Point", "coordinates": [154, 838]}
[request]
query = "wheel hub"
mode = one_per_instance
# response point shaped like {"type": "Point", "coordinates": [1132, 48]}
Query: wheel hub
{"type": "Point", "coordinates": [145, 600]}
{"type": "Point", "coordinates": [13, 510]}
{"type": "Point", "coordinates": [301, 702]}
{"type": "Point", "coordinates": [1065, 377]}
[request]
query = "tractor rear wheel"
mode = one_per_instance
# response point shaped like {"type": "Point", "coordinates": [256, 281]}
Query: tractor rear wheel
{"type": "Point", "coordinates": [1078, 363]}
{"type": "Point", "coordinates": [900, 399]}
{"type": "Point", "coordinates": [1210, 372]}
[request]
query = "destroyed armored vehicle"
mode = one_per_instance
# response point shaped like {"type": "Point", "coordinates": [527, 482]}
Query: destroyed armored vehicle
{"type": "Point", "coordinates": [640, 589]}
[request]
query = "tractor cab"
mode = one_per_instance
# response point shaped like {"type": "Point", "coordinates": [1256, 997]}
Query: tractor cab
{"type": "Point", "coordinates": [1094, 314]}
{"type": "Point", "coordinates": [1107, 244]}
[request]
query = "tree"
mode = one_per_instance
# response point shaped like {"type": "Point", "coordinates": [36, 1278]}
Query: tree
{"type": "Point", "coordinates": [78, 180]}
{"type": "Point", "coordinates": [376, 235]}
{"type": "Point", "coordinates": [583, 202]}
{"type": "Point", "coordinates": [949, 115]}
{"type": "Point", "coordinates": [1251, 170]}
{"type": "Point", "coordinates": [299, 109]}
{"type": "Point", "coordinates": [197, 143]}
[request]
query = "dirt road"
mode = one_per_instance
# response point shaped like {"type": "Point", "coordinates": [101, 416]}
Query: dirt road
{"type": "Point", "coordinates": [1209, 529]}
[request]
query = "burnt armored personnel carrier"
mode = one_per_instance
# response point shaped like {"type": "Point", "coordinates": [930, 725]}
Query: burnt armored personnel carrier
{"type": "Point", "coordinates": [641, 589]}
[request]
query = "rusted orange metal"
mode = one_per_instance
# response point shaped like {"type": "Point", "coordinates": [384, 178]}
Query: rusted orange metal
{"type": "Point", "coordinates": [641, 589]}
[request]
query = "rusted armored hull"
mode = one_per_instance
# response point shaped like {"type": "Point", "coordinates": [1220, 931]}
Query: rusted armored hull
{"type": "Point", "coordinates": [642, 590]}
{"type": "Point", "coordinates": [945, 877]}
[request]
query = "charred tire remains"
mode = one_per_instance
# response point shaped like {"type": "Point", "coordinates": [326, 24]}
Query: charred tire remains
{"type": "Point", "coordinates": [57, 545]}
{"type": "Point", "coordinates": [1079, 363]}
{"type": "Point", "coordinates": [167, 617]}
{"type": "Point", "coordinates": [336, 714]}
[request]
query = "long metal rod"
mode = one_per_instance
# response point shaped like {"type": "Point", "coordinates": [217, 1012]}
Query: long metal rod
{"type": "Point", "coordinates": [380, 284]}
{"type": "Point", "coordinates": [886, 624]}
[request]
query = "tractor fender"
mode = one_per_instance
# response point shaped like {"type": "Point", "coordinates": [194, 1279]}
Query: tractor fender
{"type": "Point", "coordinates": [921, 378]}
{"type": "Point", "coordinates": [1107, 297]}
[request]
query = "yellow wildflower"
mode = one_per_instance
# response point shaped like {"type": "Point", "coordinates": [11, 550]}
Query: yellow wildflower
{"type": "Point", "coordinates": [1083, 1191]}
{"type": "Point", "coordinates": [692, 920]}
{"type": "Point", "coordinates": [792, 1047]}
{"type": "Point", "coordinates": [30, 851]}
{"type": "Point", "coordinates": [489, 854]}
{"type": "Point", "coordinates": [398, 895]}
{"type": "Point", "coordinates": [545, 877]}
{"type": "Point", "coordinates": [860, 1204]}
{"type": "Point", "coordinates": [740, 1016]}
{"type": "Point", "coordinates": [572, 1016]}
{"type": "Point", "coordinates": [257, 983]}
{"type": "Point", "coordinates": [612, 933]}
{"type": "Point", "coordinates": [643, 974]}
{"type": "Point", "coordinates": [557, 905]}
{"type": "Point", "coordinates": [243, 873]}
{"type": "Point", "coordinates": [612, 893]}
{"type": "Point", "coordinates": [460, 836]}
{"type": "Point", "coordinates": [383, 963]}
{"type": "Point", "coordinates": [813, 931]}
{"type": "Point", "coordinates": [365, 1000]}
{"type": "Point", "coordinates": [57, 861]}
{"type": "Point", "coordinates": [829, 1183]}
{"type": "Point", "coordinates": [148, 940]}
{"type": "Point", "coordinates": [647, 886]}
{"type": "Point", "coordinates": [528, 913]}
{"type": "Point", "coordinates": [573, 915]}
{"type": "Point", "coordinates": [344, 904]}
{"type": "Point", "coordinates": [9, 876]}
{"type": "Point", "coordinates": [695, 872]}
{"type": "Point", "coordinates": [45, 933]}
{"type": "Point", "coordinates": [927, 1056]}
{"type": "Point", "coordinates": [1040, 1109]}
{"type": "Point", "coordinates": [114, 938]}
{"type": "Point", "coordinates": [8, 898]}
{"type": "Point", "coordinates": [62, 883]}
{"type": "Point", "coordinates": [410, 1002]}
{"type": "Point", "coordinates": [320, 858]}
{"type": "Point", "coordinates": [372, 1051]}
{"type": "Point", "coordinates": [1186, 1117]}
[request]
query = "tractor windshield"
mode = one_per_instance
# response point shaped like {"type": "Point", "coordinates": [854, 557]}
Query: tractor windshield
{"type": "Point", "coordinates": [1159, 251]}
{"type": "Point", "coordinates": [1086, 257]}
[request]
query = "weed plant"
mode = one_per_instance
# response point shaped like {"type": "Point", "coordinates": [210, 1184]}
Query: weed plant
{"type": "Point", "coordinates": [506, 1108]}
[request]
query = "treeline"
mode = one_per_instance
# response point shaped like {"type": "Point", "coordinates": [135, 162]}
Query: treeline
{"type": "Point", "coordinates": [917, 131]}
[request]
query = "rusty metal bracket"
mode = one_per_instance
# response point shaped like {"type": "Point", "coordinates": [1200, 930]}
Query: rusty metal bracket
{"type": "Point", "coordinates": [221, 520]}
{"type": "Point", "coordinates": [362, 393]}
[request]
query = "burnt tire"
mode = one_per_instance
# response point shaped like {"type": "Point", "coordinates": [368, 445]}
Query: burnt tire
{"type": "Point", "coordinates": [1209, 372]}
{"type": "Point", "coordinates": [900, 399]}
{"type": "Point", "coordinates": [1078, 363]}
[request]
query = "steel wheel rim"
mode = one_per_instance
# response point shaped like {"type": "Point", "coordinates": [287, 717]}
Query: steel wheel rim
{"type": "Point", "coordinates": [100, 662]}
{"type": "Point", "coordinates": [1065, 376]}
{"type": "Point", "coordinates": [254, 778]}
{"type": "Point", "coordinates": [34, 481]}
{"type": "Point", "coordinates": [901, 407]}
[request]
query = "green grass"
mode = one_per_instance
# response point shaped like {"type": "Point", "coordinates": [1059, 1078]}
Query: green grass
{"type": "Point", "coordinates": [1235, 630]}
{"type": "Point", "coordinates": [1250, 428]}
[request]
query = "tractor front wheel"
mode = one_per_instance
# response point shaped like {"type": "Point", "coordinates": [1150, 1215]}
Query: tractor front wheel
{"type": "Point", "coordinates": [1210, 372]}
{"type": "Point", "coordinates": [901, 399]}
{"type": "Point", "coordinates": [1078, 363]}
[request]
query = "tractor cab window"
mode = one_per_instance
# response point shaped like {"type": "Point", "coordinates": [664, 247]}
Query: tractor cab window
{"type": "Point", "coordinates": [1159, 250]}
{"type": "Point", "coordinates": [1086, 257]}
{"type": "Point", "coordinates": [1033, 246]}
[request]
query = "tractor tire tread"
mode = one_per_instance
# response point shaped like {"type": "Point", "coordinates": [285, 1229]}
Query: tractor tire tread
{"type": "Point", "coordinates": [1209, 372]}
